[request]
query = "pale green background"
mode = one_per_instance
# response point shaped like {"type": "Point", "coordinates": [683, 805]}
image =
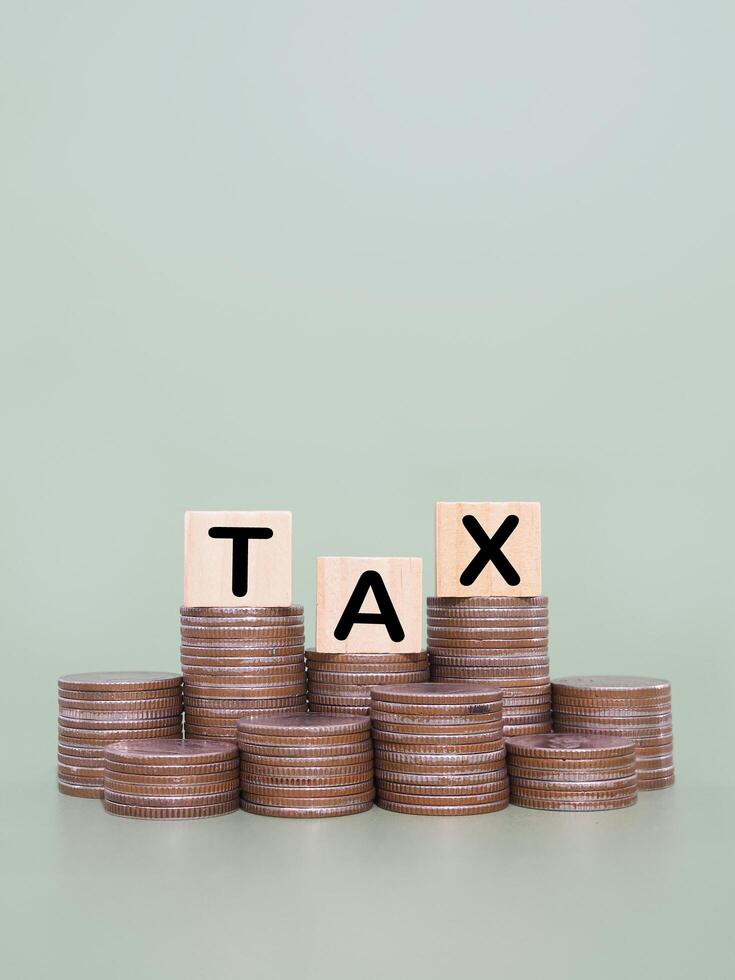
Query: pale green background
{"type": "Point", "coordinates": [348, 259]}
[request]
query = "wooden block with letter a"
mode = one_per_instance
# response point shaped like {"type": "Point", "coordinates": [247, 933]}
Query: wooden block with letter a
{"type": "Point", "coordinates": [368, 605]}
{"type": "Point", "coordinates": [237, 558]}
{"type": "Point", "coordinates": [491, 549]}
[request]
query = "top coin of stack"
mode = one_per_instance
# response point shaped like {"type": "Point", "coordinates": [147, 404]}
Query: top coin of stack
{"type": "Point", "coordinates": [500, 640]}
{"type": "Point", "coordinates": [571, 772]}
{"type": "Point", "coordinates": [171, 779]}
{"type": "Point", "coordinates": [340, 683]}
{"type": "Point", "coordinates": [99, 708]}
{"type": "Point", "coordinates": [306, 765]}
{"type": "Point", "coordinates": [240, 660]}
{"type": "Point", "coordinates": [638, 708]}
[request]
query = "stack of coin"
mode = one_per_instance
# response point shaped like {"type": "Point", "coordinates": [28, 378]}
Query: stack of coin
{"type": "Point", "coordinates": [238, 660]}
{"type": "Point", "coordinates": [632, 707]}
{"type": "Point", "coordinates": [313, 765]}
{"type": "Point", "coordinates": [439, 748]}
{"type": "Point", "coordinates": [168, 779]}
{"type": "Point", "coordinates": [500, 640]}
{"type": "Point", "coordinates": [571, 772]}
{"type": "Point", "coordinates": [99, 708]}
{"type": "Point", "coordinates": [340, 683]}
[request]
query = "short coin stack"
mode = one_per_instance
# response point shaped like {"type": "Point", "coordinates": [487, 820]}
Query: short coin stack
{"type": "Point", "coordinates": [98, 708]}
{"type": "Point", "coordinates": [439, 748]}
{"type": "Point", "coordinates": [571, 772]}
{"type": "Point", "coordinates": [632, 707]}
{"type": "Point", "coordinates": [340, 683]}
{"type": "Point", "coordinates": [238, 660]}
{"type": "Point", "coordinates": [306, 765]}
{"type": "Point", "coordinates": [500, 640]}
{"type": "Point", "coordinates": [167, 779]}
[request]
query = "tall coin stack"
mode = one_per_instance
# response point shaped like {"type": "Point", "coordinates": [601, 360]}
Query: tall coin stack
{"type": "Point", "coordinates": [306, 765]}
{"type": "Point", "coordinates": [500, 640]}
{"type": "Point", "coordinates": [638, 708]}
{"type": "Point", "coordinates": [340, 683]}
{"type": "Point", "coordinates": [439, 749]}
{"type": "Point", "coordinates": [240, 660]}
{"type": "Point", "coordinates": [571, 772]}
{"type": "Point", "coordinates": [168, 779]}
{"type": "Point", "coordinates": [98, 708]}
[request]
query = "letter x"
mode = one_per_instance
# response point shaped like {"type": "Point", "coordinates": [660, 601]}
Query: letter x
{"type": "Point", "coordinates": [490, 550]}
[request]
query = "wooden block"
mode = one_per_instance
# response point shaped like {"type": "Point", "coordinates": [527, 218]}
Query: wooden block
{"type": "Point", "coordinates": [389, 589]}
{"type": "Point", "coordinates": [237, 558]}
{"type": "Point", "coordinates": [488, 549]}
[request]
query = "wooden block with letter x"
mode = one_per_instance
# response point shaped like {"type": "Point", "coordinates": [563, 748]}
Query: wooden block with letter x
{"type": "Point", "coordinates": [237, 558]}
{"type": "Point", "coordinates": [368, 605]}
{"type": "Point", "coordinates": [488, 549]}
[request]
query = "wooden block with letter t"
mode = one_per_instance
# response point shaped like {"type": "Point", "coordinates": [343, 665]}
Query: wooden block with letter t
{"type": "Point", "coordinates": [488, 549]}
{"type": "Point", "coordinates": [237, 558]}
{"type": "Point", "coordinates": [368, 605]}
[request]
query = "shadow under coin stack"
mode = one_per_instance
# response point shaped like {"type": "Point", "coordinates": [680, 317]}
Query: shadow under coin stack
{"type": "Point", "coordinates": [571, 772]}
{"type": "Point", "coordinates": [169, 779]}
{"type": "Point", "coordinates": [439, 749]}
{"type": "Point", "coordinates": [500, 640]}
{"type": "Point", "coordinates": [638, 708]}
{"type": "Point", "coordinates": [240, 660]}
{"type": "Point", "coordinates": [98, 708]}
{"type": "Point", "coordinates": [340, 683]}
{"type": "Point", "coordinates": [306, 765]}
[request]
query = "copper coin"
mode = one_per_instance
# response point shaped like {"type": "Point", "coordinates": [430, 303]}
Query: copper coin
{"type": "Point", "coordinates": [334, 690]}
{"type": "Point", "coordinates": [82, 781]}
{"type": "Point", "coordinates": [173, 773]}
{"type": "Point", "coordinates": [304, 812]}
{"type": "Point", "coordinates": [241, 610]}
{"type": "Point", "coordinates": [624, 716]}
{"type": "Point", "coordinates": [244, 620]}
{"type": "Point", "coordinates": [339, 660]}
{"type": "Point", "coordinates": [181, 800]}
{"type": "Point", "coordinates": [374, 679]}
{"type": "Point", "coordinates": [557, 785]}
{"type": "Point", "coordinates": [136, 704]}
{"type": "Point", "coordinates": [171, 813]}
{"type": "Point", "coordinates": [87, 792]}
{"type": "Point", "coordinates": [287, 763]}
{"type": "Point", "coordinates": [94, 698]}
{"type": "Point", "coordinates": [223, 715]}
{"type": "Point", "coordinates": [459, 741]}
{"type": "Point", "coordinates": [441, 811]}
{"type": "Point", "coordinates": [491, 731]}
{"type": "Point", "coordinates": [431, 693]}
{"type": "Point", "coordinates": [241, 649]}
{"type": "Point", "coordinates": [654, 752]}
{"type": "Point", "coordinates": [298, 775]}
{"type": "Point", "coordinates": [484, 602]}
{"type": "Point", "coordinates": [98, 726]}
{"type": "Point", "coordinates": [519, 676]}
{"type": "Point", "coordinates": [359, 700]}
{"type": "Point", "coordinates": [448, 644]}
{"type": "Point", "coordinates": [568, 746]}
{"type": "Point", "coordinates": [311, 725]}
{"type": "Point", "coordinates": [267, 633]}
{"type": "Point", "coordinates": [458, 659]}
{"type": "Point", "coordinates": [386, 721]}
{"type": "Point", "coordinates": [477, 709]}
{"type": "Point", "coordinates": [652, 731]}
{"type": "Point", "coordinates": [537, 718]}
{"type": "Point", "coordinates": [557, 794]}
{"type": "Point", "coordinates": [127, 680]}
{"type": "Point", "coordinates": [518, 621]}
{"type": "Point", "coordinates": [299, 749]}
{"type": "Point", "coordinates": [290, 660]}
{"type": "Point", "coordinates": [338, 709]}
{"type": "Point", "coordinates": [224, 704]}
{"type": "Point", "coordinates": [527, 685]}
{"type": "Point", "coordinates": [468, 799]}
{"type": "Point", "coordinates": [606, 686]}
{"type": "Point", "coordinates": [535, 804]}
{"type": "Point", "coordinates": [648, 784]}
{"type": "Point", "coordinates": [567, 775]}
{"type": "Point", "coordinates": [118, 719]}
{"type": "Point", "coordinates": [100, 741]}
{"type": "Point", "coordinates": [385, 770]}
{"type": "Point", "coordinates": [552, 764]}
{"type": "Point", "coordinates": [72, 773]}
{"type": "Point", "coordinates": [378, 667]}
{"type": "Point", "coordinates": [83, 751]}
{"type": "Point", "coordinates": [271, 674]}
{"type": "Point", "coordinates": [263, 788]}
{"type": "Point", "coordinates": [320, 800]}
{"type": "Point", "coordinates": [193, 783]}
{"type": "Point", "coordinates": [170, 752]}
{"type": "Point", "coordinates": [473, 632]}
{"type": "Point", "coordinates": [215, 792]}
{"type": "Point", "coordinates": [662, 703]}
{"type": "Point", "coordinates": [517, 731]}
{"type": "Point", "coordinates": [485, 781]}
{"type": "Point", "coordinates": [81, 762]}
{"type": "Point", "coordinates": [233, 691]}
